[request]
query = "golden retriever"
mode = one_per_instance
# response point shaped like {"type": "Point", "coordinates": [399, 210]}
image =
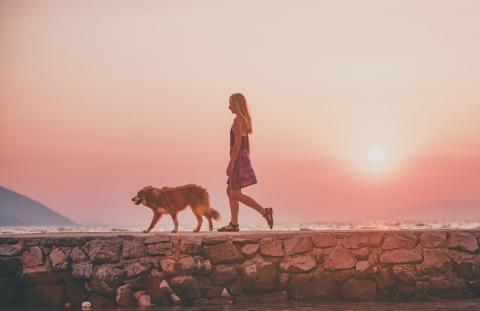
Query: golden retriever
{"type": "Point", "coordinates": [173, 200]}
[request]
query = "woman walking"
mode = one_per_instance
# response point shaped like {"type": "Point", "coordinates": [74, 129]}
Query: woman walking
{"type": "Point", "coordinates": [239, 171]}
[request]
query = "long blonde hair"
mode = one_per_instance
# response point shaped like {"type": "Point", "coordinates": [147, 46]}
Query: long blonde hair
{"type": "Point", "coordinates": [242, 110]}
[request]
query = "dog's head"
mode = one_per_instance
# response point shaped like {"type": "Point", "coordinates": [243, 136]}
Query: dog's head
{"type": "Point", "coordinates": [146, 196]}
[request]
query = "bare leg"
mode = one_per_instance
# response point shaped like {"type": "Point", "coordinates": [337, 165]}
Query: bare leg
{"type": "Point", "coordinates": [199, 222]}
{"type": "Point", "coordinates": [175, 222]}
{"type": "Point", "coordinates": [234, 206]}
{"type": "Point", "coordinates": [156, 217]}
{"type": "Point", "coordinates": [245, 199]}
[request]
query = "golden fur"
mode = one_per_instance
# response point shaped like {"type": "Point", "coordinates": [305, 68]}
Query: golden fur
{"type": "Point", "coordinates": [173, 200]}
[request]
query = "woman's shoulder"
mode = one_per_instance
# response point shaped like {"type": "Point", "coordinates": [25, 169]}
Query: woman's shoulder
{"type": "Point", "coordinates": [239, 123]}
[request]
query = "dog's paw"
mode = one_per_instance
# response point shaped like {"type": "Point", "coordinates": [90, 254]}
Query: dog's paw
{"type": "Point", "coordinates": [145, 231]}
{"type": "Point", "coordinates": [196, 230]}
{"type": "Point", "coordinates": [174, 231]}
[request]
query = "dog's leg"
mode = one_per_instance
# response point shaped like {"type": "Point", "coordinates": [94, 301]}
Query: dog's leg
{"type": "Point", "coordinates": [156, 217]}
{"type": "Point", "coordinates": [175, 222]}
{"type": "Point", "coordinates": [210, 225]}
{"type": "Point", "coordinates": [199, 222]}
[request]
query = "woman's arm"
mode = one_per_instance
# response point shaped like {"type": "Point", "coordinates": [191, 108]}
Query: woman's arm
{"type": "Point", "coordinates": [237, 129]}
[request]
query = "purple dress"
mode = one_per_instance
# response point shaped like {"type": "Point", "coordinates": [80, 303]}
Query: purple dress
{"type": "Point", "coordinates": [243, 174]}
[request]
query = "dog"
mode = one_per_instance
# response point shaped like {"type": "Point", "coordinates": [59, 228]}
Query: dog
{"type": "Point", "coordinates": [173, 200]}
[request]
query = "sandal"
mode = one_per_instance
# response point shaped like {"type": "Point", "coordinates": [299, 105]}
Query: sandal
{"type": "Point", "coordinates": [230, 228]}
{"type": "Point", "coordinates": [269, 216]}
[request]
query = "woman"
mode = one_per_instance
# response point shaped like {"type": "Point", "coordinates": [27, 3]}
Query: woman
{"type": "Point", "coordinates": [239, 171]}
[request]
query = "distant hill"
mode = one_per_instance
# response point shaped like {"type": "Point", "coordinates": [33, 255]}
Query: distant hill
{"type": "Point", "coordinates": [19, 210]}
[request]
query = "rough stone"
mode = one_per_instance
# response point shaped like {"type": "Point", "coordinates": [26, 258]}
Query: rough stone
{"type": "Point", "coordinates": [101, 251]}
{"type": "Point", "coordinates": [394, 240]}
{"type": "Point", "coordinates": [445, 287]}
{"type": "Point", "coordinates": [216, 239]}
{"type": "Point", "coordinates": [224, 274]}
{"type": "Point", "coordinates": [339, 259]}
{"type": "Point", "coordinates": [435, 261]}
{"type": "Point", "coordinates": [82, 270]}
{"type": "Point", "coordinates": [405, 273]}
{"type": "Point", "coordinates": [361, 253]}
{"type": "Point", "coordinates": [170, 266]}
{"type": "Point", "coordinates": [101, 302]}
{"type": "Point", "coordinates": [302, 263]}
{"type": "Point", "coordinates": [402, 256]}
{"type": "Point", "coordinates": [78, 255]}
{"type": "Point", "coordinates": [39, 276]}
{"type": "Point", "coordinates": [249, 250]}
{"type": "Point", "coordinates": [32, 257]}
{"type": "Point", "coordinates": [10, 250]}
{"type": "Point", "coordinates": [361, 239]}
{"type": "Point", "coordinates": [58, 260]}
{"type": "Point", "coordinates": [321, 254]}
{"type": "Point", "coordinates": [186, 287]}
{"type": "Point", "coordinates": [404, 293]}
{"type": "Point", "coordinates": [207, 289]}
{"type": "Point", "coordinates": [157, 238]}
{"type": "Point", "coordinates": [125, 296]}
{"type": "Point", "coordinates": [136, 267]}
{"type": "Point", "coordinates": [301, 286]}
{"type": "Point", "coordinates": [297, 245]}
{"type": "Point", "coordinates": [325, 285]}
{"type": "Point", "coordinates": [466, 265]}
{"type": "Point", "coordinates": [259, 276]}
{"type": "Point", "coordinates": [432, 239]}
{"type": "Point", "coordinates": [106, 279]}
{"type": "Point", "coordinates": [271, 247]}
{"type": "Point", "coordinates": [385, 277]}
{"type": "Point", "coordinates": [359, 290]}
{"type": "Point", "coordinates": [133, 249]}
{"type": "Point", "coordinates": [144, 301]}
{"type": "Point", "coordinates": [462, 241]}
{"type": "Point", "coordinates": [191, 246]}
{"type": "Point", "coordinates": [160, 249]}
{"type": "Point", "coordinates": [195, 265]}
{"type": "Point", "coordinates": [223, 253]}
{"type": "Point", "coordinates": [362, 265]}
{"type": "Point", "coordinates": [323, 240]}
{"type": "Point", "coordinates": [159, 291]}
{"type": "Point", "coordinates": [283, 280]}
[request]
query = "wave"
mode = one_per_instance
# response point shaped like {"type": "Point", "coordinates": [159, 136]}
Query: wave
{"type": "Point", "coordinates": [361, 225]}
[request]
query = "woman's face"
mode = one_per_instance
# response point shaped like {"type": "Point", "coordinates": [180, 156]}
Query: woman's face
{"type": "Point", "coordinates": [232, 107]}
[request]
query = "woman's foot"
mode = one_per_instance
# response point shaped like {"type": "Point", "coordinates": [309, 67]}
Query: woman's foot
{"type": "Point", "coordinates": [269, 216]}
{"type": "Point", "coordinates": [230, 228]}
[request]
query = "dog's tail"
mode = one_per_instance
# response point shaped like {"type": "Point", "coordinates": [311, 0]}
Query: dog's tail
{"type": "Point", "coordinates": [214, 214]}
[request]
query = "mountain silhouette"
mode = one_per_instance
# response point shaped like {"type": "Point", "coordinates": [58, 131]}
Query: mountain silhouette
{"type": "Point", "coordinates": [19, 210]}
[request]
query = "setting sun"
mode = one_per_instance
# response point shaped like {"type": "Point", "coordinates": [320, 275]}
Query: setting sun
{"type": "Point", "coordinates": [376, 153]}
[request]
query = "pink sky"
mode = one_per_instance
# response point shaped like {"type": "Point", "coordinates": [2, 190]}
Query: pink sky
{"type": "Point", "coordinates": [98, 99]}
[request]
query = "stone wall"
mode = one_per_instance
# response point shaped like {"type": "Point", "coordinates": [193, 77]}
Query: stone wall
{"type": "Point", "coordinates": [252, 267]}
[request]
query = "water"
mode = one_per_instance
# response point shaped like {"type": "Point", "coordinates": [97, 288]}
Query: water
{"type": "Point", "coordinates": [379, 225]}
{"type": "Point", "coordinates": [464, 305]}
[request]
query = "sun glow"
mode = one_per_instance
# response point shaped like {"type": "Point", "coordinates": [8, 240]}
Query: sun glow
{"type": "Point", "coordinates": [376, 153]}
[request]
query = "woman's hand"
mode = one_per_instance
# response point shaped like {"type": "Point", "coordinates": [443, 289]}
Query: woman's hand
{"type": "Point", "coordinates": [230, 169]}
